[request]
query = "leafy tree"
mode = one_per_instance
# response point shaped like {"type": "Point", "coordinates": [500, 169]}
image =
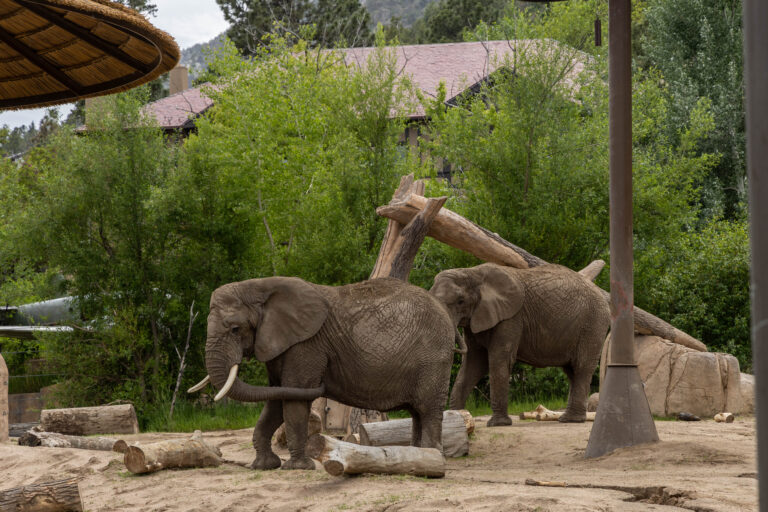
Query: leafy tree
{"type": "Point", "coordinates": [251, 21]}
{"type": "Point", "coordinates": [446, 20]}
{"type": "Point", "coordinates": [697, 47]}
{"type": "Point", "coordinates": [144, 6]}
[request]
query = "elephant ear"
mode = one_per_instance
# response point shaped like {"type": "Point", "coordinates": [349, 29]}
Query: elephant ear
{"type": "Point", "coordinates": [501, 297]}
{"type": "Point", "coordinates": [293, 310]}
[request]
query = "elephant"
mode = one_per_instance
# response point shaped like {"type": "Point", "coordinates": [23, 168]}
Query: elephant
{"type": "Point", "coordinates": [380, 344]}
{"type": "Point", "coordinates": [544, 316]}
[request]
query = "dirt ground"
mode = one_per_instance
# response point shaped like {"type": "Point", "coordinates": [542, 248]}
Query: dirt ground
{"type": "Point", "coordinates": [697, 466]}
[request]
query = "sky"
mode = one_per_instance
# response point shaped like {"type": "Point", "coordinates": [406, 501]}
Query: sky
{"type": "Point", "coordinates": [188, 21]}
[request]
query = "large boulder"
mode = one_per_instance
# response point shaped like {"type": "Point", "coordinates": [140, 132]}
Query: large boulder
{"type": "Point", "coordinates": [680, 379]}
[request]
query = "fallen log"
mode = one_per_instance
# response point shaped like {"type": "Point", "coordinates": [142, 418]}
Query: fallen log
{"type": "Point", "coordinates": [4, 412]}
{"type": "Point", "coordinates": [56, 440]}
{"type": "Point", "coordinates": [18, 429]}
{"type": "Point", "coordinates": [56, 496]}
{"type": "Point", "coordinates": [83, 421]}
{"type": "Point", "coordinates": [456, 231]}
{"type": "Point", "coordinates": [398, 433]}
{"type": "Point", "coordinates": [541, 413]}
{"type": "Point", "coordinates": [592, 270]}
{"type": "Point", "coordinates": [724, 417]}
{"type": "Point", "coordinates": [340, 458]}
{"type": "Point", "coordinates": [176, 453]}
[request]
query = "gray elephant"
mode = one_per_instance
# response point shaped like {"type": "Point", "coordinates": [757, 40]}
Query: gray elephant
{"type": "Point", "coordinates": [381, 344]}
{"type": "Point", "coordinates": [543, 316]}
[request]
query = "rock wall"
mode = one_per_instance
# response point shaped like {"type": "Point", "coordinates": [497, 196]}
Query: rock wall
{"type": "Point", "coordinates": [679, 379]}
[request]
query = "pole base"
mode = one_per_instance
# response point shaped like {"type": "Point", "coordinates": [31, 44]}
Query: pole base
{"type": "Point", "coordinates": [623, 414]}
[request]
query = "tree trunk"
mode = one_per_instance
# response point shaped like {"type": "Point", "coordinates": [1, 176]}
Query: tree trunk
{"type": "Point", "coordinates": [83, 421]}
{"type": "Point", "coordinates": [3, 401]}
{"type": "Point", "coordinates": [177, 453]}
{"type": "Point", "coordinates": [398, 433]}
{"type": "Point", "coordinates": [57, 496]}
{"type": "Point", "coordinates": [456, 231]}
{"type": "Point", "coordinates": [55, 440]}
{"type": "Point", "coordinates": [340, 458]}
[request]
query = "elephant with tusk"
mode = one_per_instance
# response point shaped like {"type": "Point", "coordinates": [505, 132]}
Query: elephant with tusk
{"type": "Point", "coordinates": [381, 344]}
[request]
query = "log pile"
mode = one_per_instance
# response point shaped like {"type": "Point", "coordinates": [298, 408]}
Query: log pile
{"type": "Point", "coordinates": [56, 496]}
{"type": "Point", "coordinates": [342, 458]}
{"type": "Point", "coordinates": [84, 421]}
{"type": "Point", "coordinates": [457, 425]}
{"type": "Point", "coordinates": [176, 453]}
{"type": "Point", "coordinates": [541, 413]}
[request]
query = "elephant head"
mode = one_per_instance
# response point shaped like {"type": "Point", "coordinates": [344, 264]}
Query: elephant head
{"type": "Point", "coordinates": [480, 296]}
{"type": "Point", "coordinates": [259, 318]}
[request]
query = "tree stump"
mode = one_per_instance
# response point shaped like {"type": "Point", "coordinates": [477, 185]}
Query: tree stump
{"type": "Point", "coordinates": [177, 453]}
{"type": "Point", "coordinates": [398, 433]}
{"type": "Point", "coordinates": [56, 440]}
{"type": "Point", "coordinates": [56, 496]}
{"type": "Point", "coordinates": [83, 421]}
{"type": "Point", "coordinates": [3, 401]}
{"type": "Point", "coordinates": [340, 458]}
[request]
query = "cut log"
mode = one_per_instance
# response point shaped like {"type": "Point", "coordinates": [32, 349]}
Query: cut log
{"type": "Point", "coordinates": [724, 417]}
{"type": "Point", "coordinates": [84, 421]}
{"type": "Point", "coordinates": [456, 231]}
{"type": "Point", "coordinates": [56, 440]}
{"type": "Point", "coordinates": [398, 433]}
{"type": "Point", "coordinates": [18, 429]}
{"type": "Point", "coordinates": [340, 458]}
{"type": "Point", "coordinates": [541, 413]}
{"type": "Point", "coordinates": [177, 453]}
{"type": "Point", "coordinates": [56, 496]}
{"type": "Point", "coordinates": [4, 413]}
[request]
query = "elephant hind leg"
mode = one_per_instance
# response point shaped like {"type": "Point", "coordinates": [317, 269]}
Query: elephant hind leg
{"type": "Point", "coordinates": [269, 420]}
{"type": "Point", "coordinates": [432, 429]}
{"type": "Point", "coordinates": [415, 428]}
{"type": "Point", "coordinates": [579, 380]}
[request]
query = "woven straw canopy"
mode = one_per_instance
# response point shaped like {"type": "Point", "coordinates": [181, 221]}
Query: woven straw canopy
{"type": "Point", "coordinates": [58, 51]}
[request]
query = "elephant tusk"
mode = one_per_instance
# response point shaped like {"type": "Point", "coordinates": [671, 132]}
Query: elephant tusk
{"type": "Point", "coordinates": [227, 385]}
{"type": "Point", "coordinates": [200, 385]}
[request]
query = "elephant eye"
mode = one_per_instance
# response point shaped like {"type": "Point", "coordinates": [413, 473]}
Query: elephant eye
{"type": "Point", "coordinates": [460, 301]}
{"type": "Point", "coordinates": [234, 329]}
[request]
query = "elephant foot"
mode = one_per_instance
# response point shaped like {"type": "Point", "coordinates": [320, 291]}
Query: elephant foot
{"type": "Point", "coordinates": [301, 463]}
{"type": "Point", "coordinates": [499, 421]}
{"type": "Point", "coordinates": [572, 418]}
{"type": "Point", "coordinates": [266, 461]}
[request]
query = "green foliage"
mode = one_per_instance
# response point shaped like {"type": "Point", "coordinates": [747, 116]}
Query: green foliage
{"type": "Point", "coordinates": [446, 20]}
{"type": "Point", "coordinates": [188, 417]}
{"type": "Point", "coordinates": [252, 22]}
{"type": "Point", "coordinates": [697, 47]}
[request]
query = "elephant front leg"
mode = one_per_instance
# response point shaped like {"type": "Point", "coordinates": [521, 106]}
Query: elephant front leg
{"type": "Point", "coordinates": [499, 363]}
{"type": "Point", "coordinates": [473, 368]}
{"type": "Point", "coordinates": [296, 415]}
{"type": "Point", "coordinates": [269, 420]}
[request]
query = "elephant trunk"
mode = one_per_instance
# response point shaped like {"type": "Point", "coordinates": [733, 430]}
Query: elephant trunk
{"type": "Point", "coordinates": [219, 363]}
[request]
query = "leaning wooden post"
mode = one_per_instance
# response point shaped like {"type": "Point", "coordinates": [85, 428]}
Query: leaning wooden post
{"type": "Point", "coordinates": [56, 496]}
{"type": "Point", "coordinates": [3, 401]}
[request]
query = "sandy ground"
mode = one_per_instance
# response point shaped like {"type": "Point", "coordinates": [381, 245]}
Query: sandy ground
{"type": "Point", "coordinates": [697, 466]}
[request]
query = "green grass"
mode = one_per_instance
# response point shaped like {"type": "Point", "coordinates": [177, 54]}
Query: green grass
{"type": "Point", "coordinates": [480, 407]}
{"type": "Point", "coordinates": [188, 417]}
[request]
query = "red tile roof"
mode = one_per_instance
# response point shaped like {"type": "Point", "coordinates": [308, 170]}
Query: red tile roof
{"type": "Point", "coordinates": [460, 65]}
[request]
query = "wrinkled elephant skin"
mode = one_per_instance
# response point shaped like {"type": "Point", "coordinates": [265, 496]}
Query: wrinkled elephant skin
{"type": "Point", "coordinates": [543, 316]}
{"type": "Point", "coordinates": [381, 344]}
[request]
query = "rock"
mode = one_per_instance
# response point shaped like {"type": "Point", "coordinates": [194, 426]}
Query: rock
{"type": "Point", "coordinates": [747, 393]}
{"type": "Point", "coordinates": [686, 416]}
{"type": "Point", "coordinates": [592, 402]}
{"type": "Point", "coordinates": [678, 379]}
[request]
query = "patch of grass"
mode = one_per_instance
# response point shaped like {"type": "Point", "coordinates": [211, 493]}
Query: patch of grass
{"type": "Point", "coordinates": [480, 407]}
{"type": "Point", "coordinates": [188, 417]}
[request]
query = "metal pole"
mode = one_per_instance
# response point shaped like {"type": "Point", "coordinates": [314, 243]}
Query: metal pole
{"type": "Point", "coordinates": [623, 415]}
{"type": "Point", "coordinates": [756, 81]}
{"type": "Point", "coordinates": [620, 129]}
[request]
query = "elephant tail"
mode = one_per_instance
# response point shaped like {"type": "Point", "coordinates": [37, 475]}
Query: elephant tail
{"type": "Point", "coordinates": [459, 340]}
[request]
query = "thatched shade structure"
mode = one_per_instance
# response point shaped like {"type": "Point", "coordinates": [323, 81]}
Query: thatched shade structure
{"type": "Point", "coordinates": [58, 51]}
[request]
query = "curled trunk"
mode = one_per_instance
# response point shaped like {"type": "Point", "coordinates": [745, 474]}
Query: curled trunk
{"type": "Point", "coordinates": [218, 364]}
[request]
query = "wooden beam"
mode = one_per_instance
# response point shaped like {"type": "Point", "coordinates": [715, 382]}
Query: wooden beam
{"type": "Point", "coordinates": [95, 41]}
{"type": "Point", "coordinates": [41, 63]}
